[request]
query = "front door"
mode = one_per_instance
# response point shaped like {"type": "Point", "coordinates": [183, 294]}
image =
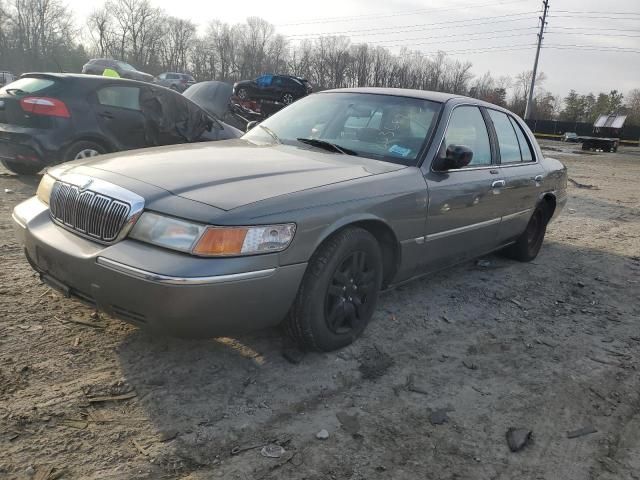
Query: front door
{"type": "Point", "coordinates": [464, 204]}
{"type": "Point", "coordinates": [118, 113]}
{"type": "Point", "coordinates": [522, 173]}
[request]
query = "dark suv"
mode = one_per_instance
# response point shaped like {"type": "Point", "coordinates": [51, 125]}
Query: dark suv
{"type": "Point", "coordinates": [97, 66]}
{"type": "Point", "coordinates": [48, 118]}
{"type": "Point", "coordinates": [279, 88]}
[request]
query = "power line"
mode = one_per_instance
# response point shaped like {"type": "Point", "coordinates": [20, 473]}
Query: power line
{"type": "Point", "coordinates": [596, 29]}
{"type": "Point", "coordinates": [399, 14]}
{"type": "Point", "coordinates": [597, 13]}
{"type": "Point", "coordinates": [447, 37]}
{"type": "Point", "coordinates": [589, 34]}
{"type": "Point", "coordinates": [436, 25]}
{"type": "Point", "coordinates": [458, 41]}
{"type": "Point", "coordinates": [594, 47]}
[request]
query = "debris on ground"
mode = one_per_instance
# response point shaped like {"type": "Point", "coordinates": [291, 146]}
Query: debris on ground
{"type": "Point", "coordinates": [582, 185]}
{"type": "Point", "coordinates": [350, 423]}
{"type": "Point", "coordinates": [111, 398]}
{"type": "Point", "coordinates": [439, 417]}
{"type": "Point", "coordinates": [322, 434]}
{"type": "Point", "coordinates": [518, 438]}
{"type": "Point", "coordinates": [581, 432]}
{"type": "Point", "coordinates": [8, 190]}
{"type": "Point", "coordinates": [411, 386]}
{"type": "Point", "coordinates": [483, 263]}
{"type": "Point", "coordinates": [470, 365]}
{"type": "Point", "coordinates": [272, 451]}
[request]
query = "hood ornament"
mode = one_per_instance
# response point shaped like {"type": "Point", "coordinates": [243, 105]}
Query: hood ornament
{"type": "Point", "coordinates": [86, 185]}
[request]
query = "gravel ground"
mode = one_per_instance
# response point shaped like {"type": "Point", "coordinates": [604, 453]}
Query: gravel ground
{"type": "Point", "coordinates": [447, 366]}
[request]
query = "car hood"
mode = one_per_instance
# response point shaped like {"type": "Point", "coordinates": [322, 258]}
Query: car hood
{"type": "Point", "coordinates": [234, 173]}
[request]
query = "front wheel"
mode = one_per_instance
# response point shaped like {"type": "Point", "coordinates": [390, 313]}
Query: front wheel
{"type": "Point", "coordinates": [22, 168]}
{"type": "Point", "coordinates": [243, 94]}
{"type": "Point", "coordinates": [338, 293]}
{"type": "Point", "coordinates": [529, 243]}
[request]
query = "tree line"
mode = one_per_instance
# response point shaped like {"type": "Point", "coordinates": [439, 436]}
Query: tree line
{"type": "Point", "coordinates": [40, 35]}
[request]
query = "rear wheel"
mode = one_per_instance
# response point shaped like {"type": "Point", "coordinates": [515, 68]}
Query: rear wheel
{"type": "Point", "coordinates": [287, 98]}
{"type": "Point", "coordinates": [84, 149]}
{"type": "Point", "coordinates": [529, 243]}
{"type": "Point", "coordinates": [338, 293]}
{"type": "Point", "coordinates": [22, 168]}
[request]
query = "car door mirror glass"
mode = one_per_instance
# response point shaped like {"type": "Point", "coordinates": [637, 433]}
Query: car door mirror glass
{"type": "Point", "coordinates": [456, 156]}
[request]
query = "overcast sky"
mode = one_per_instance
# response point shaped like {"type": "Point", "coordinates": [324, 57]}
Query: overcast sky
{"type": "Point", "coordinates": [474, 30]}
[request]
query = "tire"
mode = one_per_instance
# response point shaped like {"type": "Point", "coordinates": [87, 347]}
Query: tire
{"type": "Point", "coordinates": [84, 149]}
{"type": "Point", "coordinates": [243, 93]}
{"type": "Point", "coordinates": [22, 168]}
{"type": "Point", "coordinates": [529, 243]}
{"type": "Point", "coordinates": [288, 98]}
{"type": "Point", "coordinates": [331, 310]}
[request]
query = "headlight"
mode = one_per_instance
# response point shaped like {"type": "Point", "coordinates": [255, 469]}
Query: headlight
{"type": "Point", "coordinates": [211, 241]}
{"type": "Point", "coordinates": [45, 187]}
{"type": "Point", "coordinates": [167, 232]}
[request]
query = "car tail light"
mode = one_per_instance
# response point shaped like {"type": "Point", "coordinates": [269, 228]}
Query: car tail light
{"type": "Point", "coordinates": [46, 106]}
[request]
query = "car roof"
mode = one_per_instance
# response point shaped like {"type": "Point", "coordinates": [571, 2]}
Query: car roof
{"type": "Point", "coordinates": [84, 77]}
{"type": "Point", "coordinates": [440, 97]}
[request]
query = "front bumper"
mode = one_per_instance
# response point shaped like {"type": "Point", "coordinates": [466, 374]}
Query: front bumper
{"type": "Point", "coordinates": [169, 292]}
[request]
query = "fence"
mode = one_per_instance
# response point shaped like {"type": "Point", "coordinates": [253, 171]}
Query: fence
{"type": "Point", "coordinates": [555, 127]}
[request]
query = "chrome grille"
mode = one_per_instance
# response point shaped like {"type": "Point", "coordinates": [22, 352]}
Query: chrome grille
{"type": "Point", "coordinates": [87, 212]}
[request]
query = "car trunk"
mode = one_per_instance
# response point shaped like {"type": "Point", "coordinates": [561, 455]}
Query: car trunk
{"type": "Point", "coordinates": [14, 110]}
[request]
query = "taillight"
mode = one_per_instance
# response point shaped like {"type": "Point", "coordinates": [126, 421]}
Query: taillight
{"type": "Point", "coordinates": [50, 107]}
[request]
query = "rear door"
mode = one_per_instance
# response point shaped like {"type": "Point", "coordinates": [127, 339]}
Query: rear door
{"type": "Point", "coordinates": [464, 204]}
{"type": "Point", "coordinates": [522, 172]}
{"type": "Point", "coordinates": [118, 113]}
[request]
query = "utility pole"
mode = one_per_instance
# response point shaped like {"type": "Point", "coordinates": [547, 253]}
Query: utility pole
{"type": "Point", "coordinates": [527, 110]}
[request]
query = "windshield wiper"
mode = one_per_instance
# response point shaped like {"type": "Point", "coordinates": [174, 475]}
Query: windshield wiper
{"type": "Point", "coordinates": [270, 132]}
{"type": "Point", "coordinates": [316, 142]}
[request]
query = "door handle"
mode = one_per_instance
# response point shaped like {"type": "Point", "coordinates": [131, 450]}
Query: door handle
{"type": "Point", "coordinates": [107, 115]}
{"type": "Point", "coordinates": [538, 178]}
{"type": "Point", "coordinates": [498, 184]}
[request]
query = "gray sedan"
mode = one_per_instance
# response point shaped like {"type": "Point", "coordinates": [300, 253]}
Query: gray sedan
{"type": "Point", "coordinates": [303, 220]}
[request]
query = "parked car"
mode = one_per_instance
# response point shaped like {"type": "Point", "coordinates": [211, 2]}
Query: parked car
{"type": "Point", "coordinates": [302, 220]}
{"type": "Point", "coordinates": [175, 81]}
{"type": "Point", "coordinates": [97, 66]}
{"type": "Point", "coordinates": [50, 118]}
{"type": "Point", "coordinates": [6, 78]}
{"type": "Point", "coordinates": [571, 137]}
{"type": "Point", "coordinates": [281, 88]}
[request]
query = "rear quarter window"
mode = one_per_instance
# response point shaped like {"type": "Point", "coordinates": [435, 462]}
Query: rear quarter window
{"type": "Point", "coordinates": [28, 85]}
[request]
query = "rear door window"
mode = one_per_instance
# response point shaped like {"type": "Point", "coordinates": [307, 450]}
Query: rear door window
{"type": "Point", "coordinates": [525, 146]}
{"type": "Point", "coordinates": [27, 85]}
{"type": "Point", "coordinates": [507, 140]}
{"type": "Point", "coordinates": [120, 96]}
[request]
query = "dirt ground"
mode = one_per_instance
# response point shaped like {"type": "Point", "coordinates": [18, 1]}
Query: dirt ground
{"type": "Point", "coordinates": [551, 346]}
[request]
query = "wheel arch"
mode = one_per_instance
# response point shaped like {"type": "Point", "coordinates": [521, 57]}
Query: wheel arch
{"type": "Point", "coordinates": [548, 201]}
{"type": "Point", "coordinates": [381, 231]}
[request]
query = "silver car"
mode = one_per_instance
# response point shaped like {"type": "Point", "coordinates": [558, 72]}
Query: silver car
{"type": "Point", "coordinates": [303, 220]}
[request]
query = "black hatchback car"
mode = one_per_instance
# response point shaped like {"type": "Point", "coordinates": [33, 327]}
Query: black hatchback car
{"type": "Point", "coordinates": [279, 88]}
{"type": "Point", "coordinates": [49, 118]}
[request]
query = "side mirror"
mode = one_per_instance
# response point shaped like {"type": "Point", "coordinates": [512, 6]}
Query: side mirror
{"type": "Point", "coordinates": [456, 156]}
{"type": "Point", "coordinates": [251, 125]}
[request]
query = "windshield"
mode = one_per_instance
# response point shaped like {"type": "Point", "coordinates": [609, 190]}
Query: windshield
{"type": "Point", "coordinates": [382, 127]}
